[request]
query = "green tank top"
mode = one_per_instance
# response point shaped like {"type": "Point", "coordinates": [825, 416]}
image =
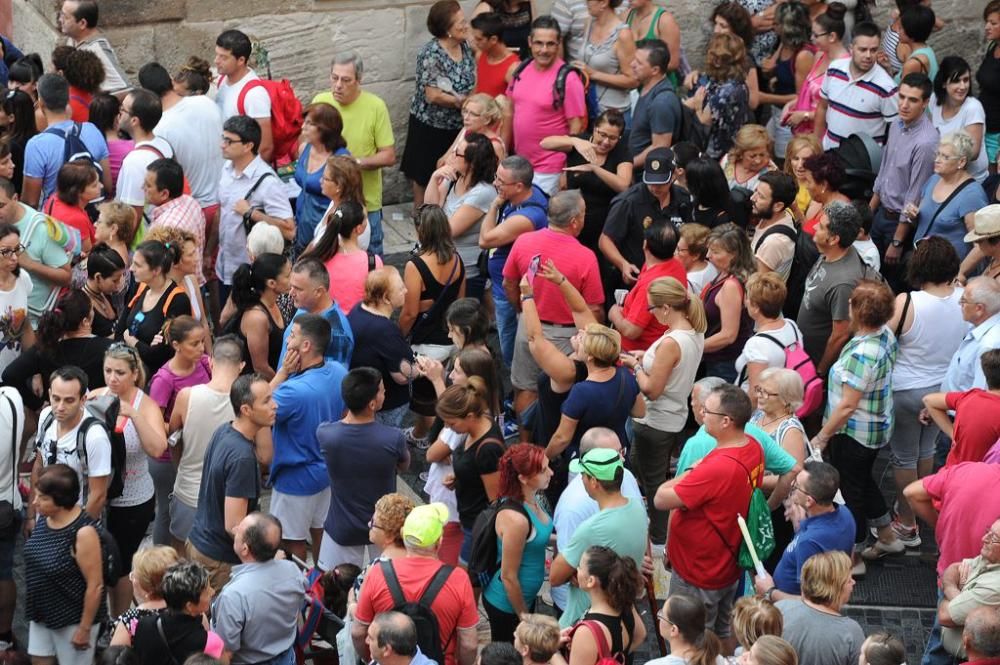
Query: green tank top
{"type": "Point", "coordinates": [932, 63]}
{"type": "Point", "coordinates": [673, 76]}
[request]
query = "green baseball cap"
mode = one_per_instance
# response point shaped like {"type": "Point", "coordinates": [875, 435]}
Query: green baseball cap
{"type": "Point", "coordinates": [600, 463]}
{"type": "Point", "coordinates": [424, 526]}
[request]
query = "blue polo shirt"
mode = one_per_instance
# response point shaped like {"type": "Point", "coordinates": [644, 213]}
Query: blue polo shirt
{"type": "Point", "coordinates": [823, 533]}
{"type": "Point", "coordinates": [341, 344]}
{"type": "Point", "coordinates": [304, 401]}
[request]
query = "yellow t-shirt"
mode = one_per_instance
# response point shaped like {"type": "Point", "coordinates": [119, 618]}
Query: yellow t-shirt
{"type": "Point", "coordinates": [802, 201]}
{"type": "Point", "coordinates": [366, 129]}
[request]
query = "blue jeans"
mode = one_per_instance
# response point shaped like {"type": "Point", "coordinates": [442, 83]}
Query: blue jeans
{"type": "Point", "coordinates": [506, 327]}
{"type": "Point", "coordinates": [393, 417]}
{"type": "Point", "coordinates": [284, 658]}
{"type": "Point", "coordinates": [375, 244]}
{"type": "Point", "coordinates": [934, 653]}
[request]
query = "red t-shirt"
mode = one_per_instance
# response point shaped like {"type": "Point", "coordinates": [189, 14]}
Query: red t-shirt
{"type": "Point", "coordinates": [73, 216]}
{"type": "Point", "coordinates": [966, 496]}
{"type": "Point", "coordinates": [714, 492]}
{"type": "Point", "coordinates": [576, 262]}
{"type": "Point", "coordinates": [635, 308]}
{"type": "Point", "coordinates": [79, 102]}
{"type": "Point", "coordinates": [492, 78]}
{"type": "Point", "coordinates": [454, 607]}
{"type": "Point", "coordinates": [977, 424]}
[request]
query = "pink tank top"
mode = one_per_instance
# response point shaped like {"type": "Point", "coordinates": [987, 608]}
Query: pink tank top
{"type": "Point", "coordinates": [808, 97]}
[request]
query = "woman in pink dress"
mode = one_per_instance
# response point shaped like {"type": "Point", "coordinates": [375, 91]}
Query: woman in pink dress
{"type": "Point", "coordinates": [828, 36]}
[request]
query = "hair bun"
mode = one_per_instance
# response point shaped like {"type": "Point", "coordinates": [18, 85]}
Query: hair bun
{"type": "Point", "coordinates": [837, 10]}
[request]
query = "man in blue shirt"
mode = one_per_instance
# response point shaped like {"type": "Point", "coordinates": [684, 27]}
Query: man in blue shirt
{"type": "Point", "coordinates": [44, 154]}
{"type": "Point", "coordinates": [820, 524]}
{"type": "Point", "coordinates": [309, 286]}
{"type": "Point", "coordinates": [307, 390]}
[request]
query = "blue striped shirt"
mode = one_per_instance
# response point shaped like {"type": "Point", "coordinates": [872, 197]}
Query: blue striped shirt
{"type": "Point", "coordinates": [862, 105]}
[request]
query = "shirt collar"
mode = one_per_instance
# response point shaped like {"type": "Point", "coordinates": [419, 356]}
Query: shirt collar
{"type": "Point", "coordinates": [915, 125]}
{"type": "Point", "coordinates": [168, 206]}
{"type": "Point", "coordinates": [250, 171]}
{"type": "Point", "coordinates": [985, 326]}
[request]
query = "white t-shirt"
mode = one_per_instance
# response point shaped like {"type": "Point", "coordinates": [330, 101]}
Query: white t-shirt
{"type": "Point", "coordinates": [762, 350]}
{"type": "Point", "coordinates": [434, 486]}
{"type": "Point", "coordinates": [699, 278]}
{"type": "Point", "coordinates": [13, 319]}
{"type": "Point", "coordinates": [98, 450]}
{"type": "Point", "coordinates": [257, 103]}
{"type": "Point", "coordinates": [132, 174]}
{"type": "Point", "coordinates": [10, 399]}
{"type": "Point", "coordinates": [869, 253]}
{"type": "Point", "coordinates": [193, 127]}
{"type": "Point", "coordinates": [971, 113]}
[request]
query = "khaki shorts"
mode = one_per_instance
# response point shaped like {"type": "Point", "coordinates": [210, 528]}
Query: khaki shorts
{"type": "Point", "coordinates": [218, 571]}
{"type": "Point", "coordinates": [524, 371]}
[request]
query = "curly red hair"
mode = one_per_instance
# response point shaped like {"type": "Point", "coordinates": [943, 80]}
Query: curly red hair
{"type": "Point", "coordinates": [521, 459]}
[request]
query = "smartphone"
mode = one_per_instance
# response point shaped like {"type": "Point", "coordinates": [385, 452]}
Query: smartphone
{"type": "Point", "coordinates": [533, 265]}
{"type": "Point", "coordinates": [620, 296]}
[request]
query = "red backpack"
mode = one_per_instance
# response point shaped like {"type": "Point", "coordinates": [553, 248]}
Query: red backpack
{"type": "Point", "coordinates": [286, 116]}
{"type": "Point", "coordinates": [604, 655]}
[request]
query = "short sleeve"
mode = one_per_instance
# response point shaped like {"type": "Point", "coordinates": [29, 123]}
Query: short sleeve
{"type": "Point", "coordinates": [383, 127]}
{"type": "Point", "coordinates": [257, 103]}
{"type": "Point", "coordinates": [227, 620]}
{"type": "Point", "coordinates": [935, 484]}
{"type": "Point", "coordinates": [974, 112]}
{"type": "Point", "coordinates": [288, 401]}
{"type": "Point", "coordinates": [35, 158]}
{"type": "Point", "coordinates": [365, 610]}
{"type": "Point", "coordinates": [275, 200]}
{"type": "Point", "coordinates": [578, 544]}
{"type": "Point", "coordinates": [839, 302]}
{"type": "Point", "coordinates": [699, 485]}
{"type": "Point", "coordinates": [824, 89]}
{"type": "Point", "coordinates": [469, 615]}
{"type": "Point", "coordinates": [487, 457]}
{"type": "Point", "coordinates": [636, 307]}
{"type": "Point", "coordinates": [777, 460]}
{"type": "Point", "coordinates": [94, 140]}
{"type": "Point", "coordinates": [575, 105]}
{"type": "Point", "coordinates": [578, 401]}
{"type": "Point", "coordinates": [429, 69]}
{"type": "Point", "coordinates": [890, 105]}
{"type": "Point", "coordinates": [98, 453]}
{"type": "Point", "coordinates": [754, 350]}
{"type": "Point", "coordinates": [952, 400]}
{"type": "Point", "coordinates": [856, 370]}
{"type": "Point", "coordinates": [591, 288]}
{"type": "Point", "coordinates": [664, 114]}
{"type": "Point", "coordinates": [241, 478]}
{"type": "Point", "coordinates": [161, 389]}
{"type": "Point", "coordinates": [616, 225]}
{"type": "Point", "coordinates": [131, 177]}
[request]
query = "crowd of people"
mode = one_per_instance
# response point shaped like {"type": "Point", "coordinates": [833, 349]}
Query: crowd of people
{"type": "Point", "coordinates": [656, 316]}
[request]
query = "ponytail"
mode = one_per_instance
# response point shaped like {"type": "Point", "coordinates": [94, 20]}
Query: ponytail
{"type": "Point", "coordinates": [459, 401]}
{"type": "Point", "coordinates": [619, 577]}
{"type": "Point", "coordinates": [177, 329]}
{"type": "Point", "coordinates": [668, 291]}
{"type": "Point", "coordinates": [250, 281]}
{"type": "Point", "coordinates": [67, 316]}
{"type": "Point", "coordinates": [159, 255]}
{"type": "Point", "coordinates": [340, 224]}
{"type": "Point", "coordinates": [688, 615]}
{"type": "Point", "coordinates": [104, 261]}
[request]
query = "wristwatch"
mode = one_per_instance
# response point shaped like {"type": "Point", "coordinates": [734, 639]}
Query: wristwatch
{"type": "Point", "coordinates": [897, 243]}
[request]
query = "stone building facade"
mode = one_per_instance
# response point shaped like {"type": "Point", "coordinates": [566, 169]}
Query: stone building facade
{"type": "Point", "coordinates": [301, 37]}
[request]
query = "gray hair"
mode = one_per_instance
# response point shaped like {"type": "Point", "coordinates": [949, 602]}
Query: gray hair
{"type": "Point", "coordinates": [563, 207]}
{"type": "Point", "coordinates": [707, 384]}
{"type": "Point", "coordinates": [183, 583]}
{"type": "Point", "coordinates": [398, 631]}
{"type": "Point", "coordinates": [520, 169]}
{"type": "Point", "coordinates": [843, 221]}
{"type": "Point", "coordinates": [598, 437]}
{"type": "Point", "coordinates": [789, 385]}
{"type": "Point", "coordinates": [313, 269]}
{"type": "Point", "coordinates": [350, 58]}
{"type": "Point", "coordinates": [228, 350]}
{"type": "Point", "coordinates": [262, 536]}
{"type": "Point", "coordinates": [982, 631]}
{"type": "Point", "coordinates": [265, 239]}
{"type": "Point", "coordinates": [986, 292]}
{"type": "Point", "coordinates": [962, 143]}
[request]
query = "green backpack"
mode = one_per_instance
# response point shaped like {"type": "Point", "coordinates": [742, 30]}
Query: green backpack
{"type": "Point", "coordinates": [758, 519]}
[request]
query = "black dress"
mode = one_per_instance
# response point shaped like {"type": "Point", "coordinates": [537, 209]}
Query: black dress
{"type": "Point", "coordinates": [596, 193]}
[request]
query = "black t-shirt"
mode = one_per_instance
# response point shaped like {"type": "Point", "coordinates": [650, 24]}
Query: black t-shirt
{"type": "Point", "coordinates": [185, 636]}
{"type": "Point", "coordinates": [378, 343]}
{"type": "Point", "coordinates": [471, 462]}
{"type": "Point", "coordinates": [87, 353]}
{"type": "Point", "coordinates": [635, 209]}
{"type": "Point", "coordinates": [988, 78]}
{"type": "Point", "coordinates": [145, 325]}
{"type": "Point", "coordinates": [596, 193]}
{"type": "Point", "coordinates": [710, 217]}
{"type": "Point", "coordinates": [548, 413]}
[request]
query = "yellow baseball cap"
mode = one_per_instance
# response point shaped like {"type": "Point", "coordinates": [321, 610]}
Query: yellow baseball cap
{"type": "Point", "coordinates": [425, 525]}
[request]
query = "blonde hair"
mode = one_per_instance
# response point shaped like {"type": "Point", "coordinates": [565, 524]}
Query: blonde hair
{"type": "Point", "coordinates": [961, 143]}
{"type": "Point", "coordinates": [458, 401]}
{"type": "Point", "coordinates": [734, 240]}
{"type": "Point", "coordinates": [130, 356]}
{"type": "Point", "coordinates": [170, 234]}
{"type": "Point", "coordinates": [122, 216]}
{"type": "Point", "coordinates": [749, 137]}
{"type": "Point", "coordinates": [378, 284]}
{"type": "Point", "coordinates": [668, 291]}
{"type": "Point", "coordinates": [149, 565]}
{"type": "Point", "coordinates": [772, 650]}
{"type": "Point", "coordinates": [491, 109]}
{"type": "Point", "coordinates": [603, 344]}
{"type": "Point", "coordinates": [540, 634]}
{"type": "Point", "coordinates": [392, 510]}
{"type": "Point", "coordinates": [696, 237]}
{"type": "Point", "coordinates": [798, 142]}
{"type": "Point", "coordinates": [754, 617]}
{"type": "Point", "coordinates": [789, 385]}
{"type": "Point", "coordinates": [824, 576]}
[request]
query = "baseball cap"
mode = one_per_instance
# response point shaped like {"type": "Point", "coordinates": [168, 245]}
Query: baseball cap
{"type": "Point", "coordinates": [425, 525]}
{"type": "Point", "coordinates": [600, 463]}
{"type": "Point", "coordinates": [659, 166]}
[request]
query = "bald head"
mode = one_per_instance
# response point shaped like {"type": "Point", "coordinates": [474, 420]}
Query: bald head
{"type": "Point", "coordinates": [397, 631]}
{"type": "Point", "coordinates": [260, 533]}
{"type": "Point", "coordinates": [599, 437]}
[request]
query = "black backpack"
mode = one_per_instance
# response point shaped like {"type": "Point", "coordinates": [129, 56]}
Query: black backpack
{"type": "Point", "coordinates": [484, 561]}
{"type": "Point", "coordinates": [691, 129]}
{"type": "Point", "coordinates": [103, 412]}
{"type": "Point", "coordinates": [803, 260]}
{"type": "Point", "coordinates": [428, 629]}
{"type": "Point", "coordinates": [559, 87]}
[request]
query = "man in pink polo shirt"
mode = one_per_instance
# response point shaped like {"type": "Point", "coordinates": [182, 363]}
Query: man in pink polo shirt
{"type": "Point", "coordinates": [577, 264]}
{"type": "Point", "coordinates": [541, 107]}
{"type": "Point", "coordinates": [632, 318]}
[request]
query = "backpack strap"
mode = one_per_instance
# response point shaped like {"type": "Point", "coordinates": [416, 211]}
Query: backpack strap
{"type": "Point", "coordinates": [603, 648]}
{"type": "Point", "coordinates": [902, 317]}
{"type": "Point", "coordinates": [241, 99]}
{"type": "Point", "coordinates": [392, 582]}
{"type": "Point", "coordinates": [138, 294]}
{"type": "Point", "coordinates": [166, 642]}
{"type": "Point", "coordinates": [152, 148]}
{"type": "Point", "coordinates": [775, 340]}
{"type": "Point", "coordinates": [779, 230]}
{"type": "Point", "coordinates": [174, 292]}
{"type": "Point", "coordinates": [434, 588]}
{"type": "Point", "coordinates": [13, 448]}
{"type": "Point", "coordinates": [81, 453]}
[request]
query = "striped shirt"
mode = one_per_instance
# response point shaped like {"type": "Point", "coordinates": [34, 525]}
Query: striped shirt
{"type": "Point", "coordinates": [862, 105]}
{"type": "Point", "coordinates": [184, 213]}
{"type": "Point", "coordinates": [865, 364]}
{"type": "Point", "coordinates": [907, 162]}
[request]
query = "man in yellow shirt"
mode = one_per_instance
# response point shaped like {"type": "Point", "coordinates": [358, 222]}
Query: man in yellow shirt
{"type": "Point", "coordinates": [368, 132]}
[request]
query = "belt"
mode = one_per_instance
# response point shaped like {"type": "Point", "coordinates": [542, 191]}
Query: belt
{"type": "Point", "coordinates": [891, 214]}
{"type": "Point", "coordinates": [558, 325]}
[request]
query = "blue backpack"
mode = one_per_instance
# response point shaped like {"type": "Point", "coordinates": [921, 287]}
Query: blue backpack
{"type": "Point", "coordinates": [75, 150]}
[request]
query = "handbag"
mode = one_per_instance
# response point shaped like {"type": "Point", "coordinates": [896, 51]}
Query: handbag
{"type": "Point", "coordinates": [944, 204]}
{"type": "Point", "coordinates": [8, 515]}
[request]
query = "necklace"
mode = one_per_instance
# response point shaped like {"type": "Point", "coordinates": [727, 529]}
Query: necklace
{"type": "Point", "coordinates": [774, 420]}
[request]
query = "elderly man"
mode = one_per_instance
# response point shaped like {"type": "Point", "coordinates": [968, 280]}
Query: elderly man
{"type": "Point", "coordinates": [981, 636]}
{"type": "Point", "coordinates": [820, 525]}
{"type": "Point", "coordinates": [414, 577]}
{"type": "Point", "coordinates": [967, 585]}
{"type": "Point", "coordinates": [256, 613]}
{"type": "Point", "coordinates": [392, 640]}
{"type": "Point", "coordinates": [367, 130]}
{"type": "Point", "coordinates": [981, 308]}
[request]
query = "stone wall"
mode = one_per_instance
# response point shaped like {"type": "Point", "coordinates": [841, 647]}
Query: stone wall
{"type": "Point", "coordinates": [302, 36]}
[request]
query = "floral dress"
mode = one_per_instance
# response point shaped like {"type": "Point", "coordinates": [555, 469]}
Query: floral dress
{"type": "Point", "coordinates": [436, 68]}
{"type": "Point", "coordinates": [729, 102]}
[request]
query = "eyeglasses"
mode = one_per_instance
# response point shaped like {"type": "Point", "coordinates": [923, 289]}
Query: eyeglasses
{"type": "Point", "coordinates": [991, 538]}
{"type": "Point", "coordinates": [706, 412]}
{"type": "Point", "coordinates": [535, 42]}
{"type": "Point", "coordinates": [662, 616]}
{"type": "Point", "coordinates": [471, 113]}
{"type": "Point", "coordinates": [372, 525]}
{"type": "Point", "coordinates": [763, 393]}
{"type": "Point", "coordinates": [226, 141]}
{"type": "Point", "coordinates": [816, 35]}
{"type": "Point", "coordinates": [600, 134]}
{"type": "Point", "coordinates": [119, 347]}
{"type": "Point", "coordinates": [500, 183]}
{"type": "Point", "coordinates": [948, 158]}
{"type": "Point", "coordinates": [125, 111]}
{"type": "Point", "coordinates": [9, 252]}
{"type": "Point", "coordinates": [795, 488]}
{"type": "Point", "coordinates": [963, 301]}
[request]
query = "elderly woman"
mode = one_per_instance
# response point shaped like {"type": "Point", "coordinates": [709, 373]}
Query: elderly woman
{"type": "Point", "coordinates": [765, 297]}
{"type": "Point", "coordinates": [606, 57]}
{"type": "Point", "coordinates": [599, 166]}
{"type": "Point", "coordinates": [383, 531]}
{"type": "Point", "coordinates": [951, 196]}
{"type": "Point", "coordinates": [749, 158]}
{"type": "Point", "coordinates": [813, 624]}
{"type": "Point", "coordinates": [665, 373]}
{"type": "Point", "coordinates": [954, 109]}
{"type": "Point", "coordinates": [63, 568]}
{"type": "Point", "coordinates": [692, 252]}
{"type": "Point", "coordinates": [729, 325]}
{"type": "Point", "coordinates": [929, 328]}
{"type": "Point", "coordinates": [858, 420]}
{"type": "Point", "coordinates": [722, 100]}
{"type": "Point", "coordinates": [148, 568]}
{"type": "Point", "coordinates": [481, 114]}
{"type": "Point", "coordinates": [323, 137]}
{"type": "Point", "coordinates": [446, 74]}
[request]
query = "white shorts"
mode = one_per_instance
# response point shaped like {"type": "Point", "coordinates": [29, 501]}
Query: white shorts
{"type": "Point", "coordinates": [47, 642]}
{"type": "Point", "coordinates": [547, 182]}
{"type": "Point", "coordinates": [299, 514]}
{"type": "Point", "coordinates": [332, 554]}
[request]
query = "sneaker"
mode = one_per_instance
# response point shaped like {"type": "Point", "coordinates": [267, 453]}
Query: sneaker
{"type": "Point", "coordinates": [879, 549]}
{"type": "Point", "coordinates": [510, 429]}
{"type": "Point", "coordinates": [908, 535]}
{"type": "Point", "coordinates": [420, 443]}
{"type": "Point", "coordinates": [422, 476]}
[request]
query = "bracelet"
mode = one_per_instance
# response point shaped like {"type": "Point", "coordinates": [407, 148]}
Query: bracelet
{"type": "Point", "coordinates": [528, 297]}
{"type": "Point", "coordinates": [769, 594]}
{"type": "Point", "coordinates": [563, 280]}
